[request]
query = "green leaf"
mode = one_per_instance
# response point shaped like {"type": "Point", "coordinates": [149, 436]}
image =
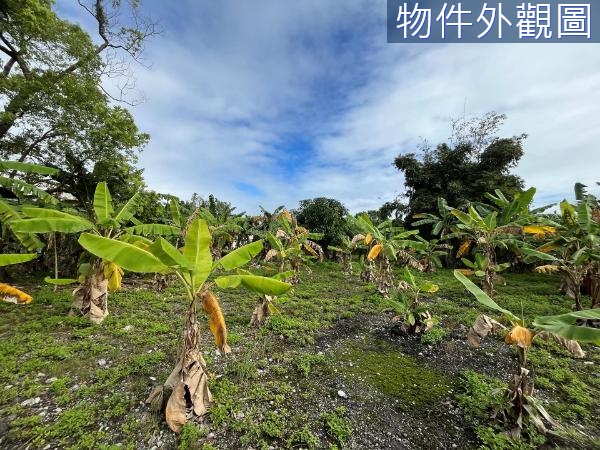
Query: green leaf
{"type": "Point", "coordinates": [197, 251]}
{"type": "Point", "coordinates": [274, 242]}
{"type": "Point", "coordinates": [153, 229]}
{"type": "Point", "coordinates": [103, 203]}
{"type": "Point", "coordinates": [7, 215]}
{"type": "Point", "coordinates": [128, 210]}
{"type": "Point", "coordinates": [261, 285]}
{"type": "Point", "coordinates": [168, 254]}
{"type": "Point", "coordinates": [468, 263]}
{"type": "Point", "coordinates": [72, 224]}
{"type": "Point", "coordinates": [7, 259]}
{"type": "Point", "coordinates": [240, 256]}
{"type": "Point", "coordinates": [175, 213]}
{"type": "Point", "coordinates": [482, 297]}
{"type": "Point", "coordinates": [565, 325]}
{"type": "Point", "coordinates": [60, 281]}
{"type": "Point", "coordinates": [23, 189]}
{"type": "Point", "coordinates": [535, 255]}
{"type": "Point", "coordinates": [408, 276]}
{"type": "Point", "coordinates": [28, 168]}
{"type": "Point", "coordinates": [135, 239]}
{"type": "Point", "coordinates": [429, 287]}
{"type": "Point", "coordinates": [463, 217]}
{"type": "Point", "coordinates": [128, 256]}
{"type": "Point", "coordinates": [283, 275]}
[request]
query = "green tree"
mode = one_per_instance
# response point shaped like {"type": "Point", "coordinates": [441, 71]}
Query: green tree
{"type": "Point", "coordinates": [475, 161]}
{"type": "Point", "coordinates": [53, 107]}
{"type": "Point", "coordinates": [326, 216]}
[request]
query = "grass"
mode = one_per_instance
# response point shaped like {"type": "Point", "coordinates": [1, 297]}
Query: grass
{"type": "Point", "coordinates": [280, 387]}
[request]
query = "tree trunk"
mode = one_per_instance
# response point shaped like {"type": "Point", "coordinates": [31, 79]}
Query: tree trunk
{"type": "Point", "coordinates": [189, 394]}
{"type": "Point", "coordinates": [91, 298]}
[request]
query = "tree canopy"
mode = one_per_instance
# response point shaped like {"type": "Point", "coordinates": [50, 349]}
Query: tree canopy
{"type": "Point", "coordinates": [324, 215]}
{"type": "Point", "coordinates": [475, 161]}
{"type": "Point", "coordinates": [54, 109]}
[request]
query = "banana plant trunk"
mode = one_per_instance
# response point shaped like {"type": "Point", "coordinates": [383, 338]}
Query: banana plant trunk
{"type": "Point", "coordinates": [367, 273]}
{"type": "Point", "coordinates": [91, 298]}
{"type": "Point", "coordinates": [295, 279]}
{"type": "Point", "coordinates": [347, 264]}
{"type": "Point", "coordinates": [385, 277]}
{"type": "Point", "coordinates": [261, 312]}
{"type": "Point", "coordinates": [487, 284]}
{"type": "Point", "coordinates": [160, 282]}
{"type": "Point", "coordinates": [189, 396]}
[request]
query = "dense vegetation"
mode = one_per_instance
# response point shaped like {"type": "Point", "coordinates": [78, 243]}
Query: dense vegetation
{"type": "Point", "coordinates": [465, 318]}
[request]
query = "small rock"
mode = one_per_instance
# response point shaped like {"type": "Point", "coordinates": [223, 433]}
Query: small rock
{"type": "Point", "coordinates": [589, 363]}
{"type": "Point", "coordinates": [239, 416]}
{"type": "Point", "coordinates": [342, 394]}
{"type": "Point", "coordinates": [211, 435]}
{"type": "Point", "coordinates": [128, 328]}
{"type": "Point", "coordinates": [153, 378]}
{"type": "Point", "coordinates": [102, 362]}
{"type": "Point", "coordinates": [31, 401]}
{"type": "Point", "coordinates": [40, 375]}
{"type": "Point", "coordinates": [51, 380]}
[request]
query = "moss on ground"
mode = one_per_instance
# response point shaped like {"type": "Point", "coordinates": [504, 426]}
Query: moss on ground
{"type": "Point", "coordinates": [70, 384]}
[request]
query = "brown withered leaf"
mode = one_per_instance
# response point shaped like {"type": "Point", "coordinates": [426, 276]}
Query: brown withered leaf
{"type": "Point", "coordinates": [482, 326]}
{"type": "Point", "coordinates": [175, 411]}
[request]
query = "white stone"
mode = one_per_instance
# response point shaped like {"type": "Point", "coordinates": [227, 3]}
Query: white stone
{"type": "Point", "coordinates": [31, 401]}
{"type": "Point", "coordinates": [342, 394]}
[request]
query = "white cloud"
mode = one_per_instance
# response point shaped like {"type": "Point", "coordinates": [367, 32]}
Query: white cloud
{"type": "Point", "coordinates": [229, 81]}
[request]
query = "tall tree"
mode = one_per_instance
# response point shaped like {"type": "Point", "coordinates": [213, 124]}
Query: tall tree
{"type": "Point", "coordinates": [326, 216]}
{"type": "Point", "coordinates": [475, 161]}
{"type": "Point", "coordinates": [54, 109]}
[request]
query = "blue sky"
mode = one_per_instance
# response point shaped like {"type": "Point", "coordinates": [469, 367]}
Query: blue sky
{"type": "Point", "coordinates": [273, 101]}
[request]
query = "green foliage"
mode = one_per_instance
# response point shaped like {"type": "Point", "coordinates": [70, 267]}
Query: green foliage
{"type": "Point", "coordinates": [433, 336]}
{"type": "Point", "coordinates": [55, 111]}
{"type": "Point", "coordinates": [190, 435]}
{"type": "Point", "coordinates": [478, 162]}
{"type": "Point", "coordinates": [326, 216]}
{"type": "Point", "coordinates": [337, 425]}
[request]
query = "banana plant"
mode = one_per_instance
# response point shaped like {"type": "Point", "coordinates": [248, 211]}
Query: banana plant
{"type": "Point", "coordinates": [24, 193]}
{"type": "Point", "coordinates": [344, 251]}
{"type": "Point", "coordinates": [386, 242]}
{"type": "Point", "coordinates": [428, 259]}
{"type": "Point", "coordinates": [293, 246]}
{"type": "Point", "coordinates": [567, 329]}
{"type": "Point", "coordinates": [441, 224]}
{"type": "Point", "coordinates": [574, 250]}
{"type": "Point", "coordinates": [489, 229]}
{"type": "Point", "coordinates": [97, 276]}
{"type": "Point", "coordinates": [192, 265]}
{"type": "Point", "coordinates": [413, 315]}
